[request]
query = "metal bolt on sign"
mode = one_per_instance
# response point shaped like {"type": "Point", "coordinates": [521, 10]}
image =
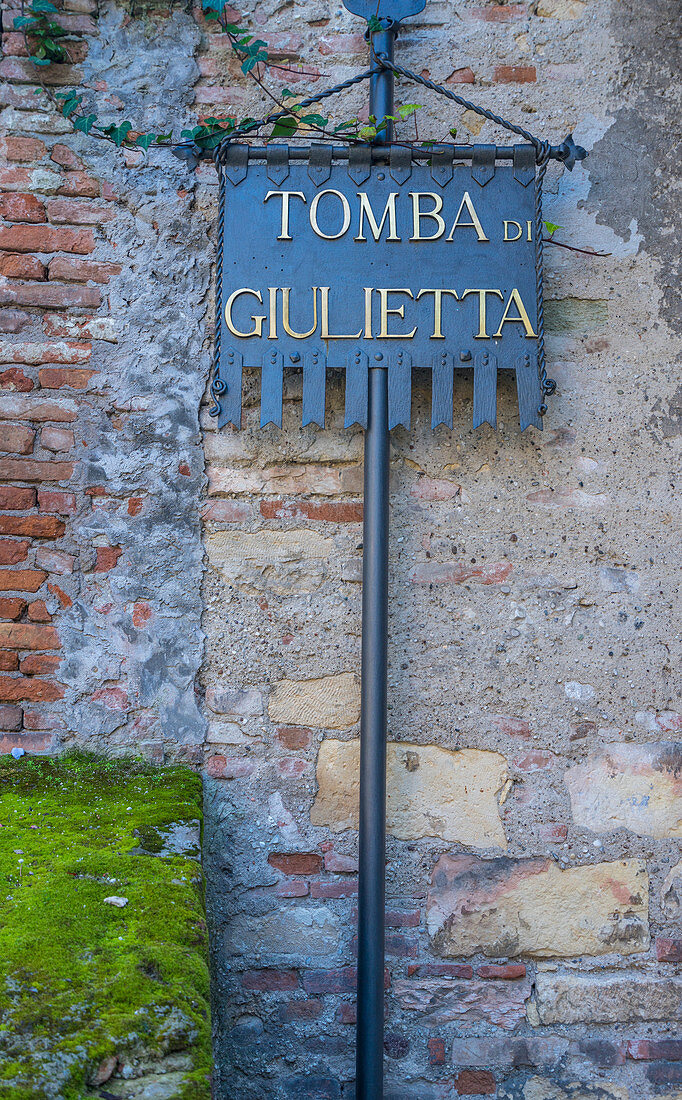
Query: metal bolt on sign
{"type": "Point", "coordinates": [377, 259]}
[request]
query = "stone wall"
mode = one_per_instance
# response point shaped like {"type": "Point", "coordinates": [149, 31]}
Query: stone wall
{"type": "Point", "coordinates": [534, 871]}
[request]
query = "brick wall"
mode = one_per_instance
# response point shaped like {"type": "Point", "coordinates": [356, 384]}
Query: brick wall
{"type": "Point", "coordinates": [535, 812]}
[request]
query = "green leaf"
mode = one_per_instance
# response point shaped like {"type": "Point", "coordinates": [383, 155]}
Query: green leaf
{"type": "Point", "coordinates": [71, 104]}
{"type": "Point", "coordinates": [408, 109]}
{"type": "Point", "coordinates": [118, 134]}
{"type": "Point", "coordinates": [212, 5]}
{"type": "Point", "coordinates": [315, 120]}
{"type": "Point", "coordinates": [23, 22]}
{"type": "Point", "coordinates": [373, 24]}
{"type": "Point", "coordinates": [191, 134]}
{"type": "Point", "coordinates": [145, 140]}
{"type": "Point", "coordinates": [40, 60]}
{"type": "Point", "coordinates": [551, 227]}
{"type": "Point", "coordinates": [163, 137]}
{"type": "Point", "coordinates": [367, 133]}
{"type": "Point", "coordinates": [42, 5]}
{"type": "Point", "coordinates": [453, 131]}
{"type": "Point", "coordinates": [285, 127]}
{"type": "Point", "coordinates": [287, 94]}
{"type": "Point", "coordinates": [84, 123]}
{"type": "Point", "coordinates": [345, 125]}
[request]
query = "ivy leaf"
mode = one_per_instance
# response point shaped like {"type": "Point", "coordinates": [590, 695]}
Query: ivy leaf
{"type": "Point", "coordinates": [552, 228]}
{"type": "Point", "coordinates": [314, 120]}
{"type": "Point", "coordinates": [145, 140]}
{"type": "Point", "coordinates": [191, 134]}
{"type": "Point", "coordinates": [287, 94]}
{"type": "Point", "coordinates": [367, 133]}
{"type": "Point", "coordinates": [23, 22]}
{"type": "Point", "coordinates": [285, 127]}
{"type": "Point", "coordinates": [40, 60]}
{"type": "Point", "coordinates": [408, 109]}
{"type": "Point", "coordinates": [345, 125]}
{"type": "Point", "coordinates": [118, 134]}
{"type": "Point", "coordinates": [43, 5]}
{"type": "Point", "coordinates": [84, 123]}
{"type": "Point", "coordinates": [373, 24]}
{"type": "Point", "coordinates": [212, 5]}
{"type": "Point", "coordinates": [453, 131]}
{"type": "Point", "coordinates": [163, 137]}
{"type": "Point", "coordinates": [71, 103]}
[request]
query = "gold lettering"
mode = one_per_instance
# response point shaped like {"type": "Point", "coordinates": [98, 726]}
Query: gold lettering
{"type": "Point", "coordinates": [437, 309]}
{"type": "Point", "coordinates": [482, 334]}
{"type": "Point", "coordinates": [272, 297]}
{"type": "Point", "coordinates": [399, 311]}
{"type": "Point", "coordinates": [418, 214]}
{"type": "Point", "coordinates": [506, 231]}
{"type": "Point", "coordinates": [346, 215]}
{"type": "Point", "coordinates": [473, 224]}
{"type": "Point", "coordinates": [325, 333]}
{"type": "Point", "coordinates": [257, 321]}
{"type": "Point", "coordinates": [523, 318]}
{"type": "Point", "coordinates": [529, 237]}
{"type": "Point", "coordinates": [285, 196]}
{"type": "Point", "coordinates": [389, 212]}
{"type": "Point", "coordinates": [286, 293]}
{"type": "Point", "coordinates": [368, 312]}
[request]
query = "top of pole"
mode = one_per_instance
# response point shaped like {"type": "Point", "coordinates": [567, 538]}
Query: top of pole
{"type": "Point", "coordinates": [387, 11]}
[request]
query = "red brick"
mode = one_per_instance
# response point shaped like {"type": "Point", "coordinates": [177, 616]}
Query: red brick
{"type": "Point", "coordinates": [69, 269]}
{"type": "Point", "coordinates": [327, 511]}
{"type": "Point", "coordinates": [29, 469]}
{"type": "Point", "coordinates": [292, 888]}
{"type": "Point", "coordinates": [226, 511]}
{"type": "Point", "coordinates": [650, 1050]}
{"type": "Point", "coordinates": [10, 719]}
{"type": "Point", "coordinates": [22, 148]}
{"type": "Point", "coordinates": [294, 738]}
{"type": "Point", "coordinates": [13, 551]}
{"type": "Point", "coordinates": [42, 720]}
{"type": "Point", "coordinates": [32, 408]}
{"type": "Point", "coordinates": [64, 600]}
{"type": "Point", "coordinates": [80, 184]}
{"type": "Point", "coordinates": [334, 889]}
{"type": "Point", "coordinates": [506, 972]}
{"type": "Point", "coordinates": [440, 970]}
{"type": "Point", "coordinates": [9, 662]}
{"type": "Point", "coordinates": [515, 74]}
{"type": "Point", "coordinates": [20, 265]}
{"type": "Point", "coordinates": [14, 378]}
{"type": "Point", "coordinates": [38, 527]}
{"type": "Point", "coordinates": [475, 1082]}
{"type": "Point", "coordinates": [38, 613]}
{"type": "Point", "coordinates": [15, 206]}
{"type": "Point", "coordinates": [300, 1011]}
{"type": "Point", "coordinates": [341, 44]}
{"type": "Point", "coordinates": [134, 506]}
{"type": "Point", "coordinates": [57, 439]}
{"type": "Point", "coordinates": [106, 558]}
{"type": "Point", "coordinates": [498, 13]}
{"type": "Point", "coordinates": [65, 157]}
{"type": "Point", "coordinates": [461, 76]}
{"type": "Point", "coordinates": [337, 863]}
{"type": "Point", "coordinates": [28, 636]}
{"type": "Point", "coordinates": [50, 295]}
{"type": "Point", "coordinates": [53, 378]}
{"type": "Point", "coordinates": [47, 238]}
{"type": "Point", "coordinates": [16, 438]}
{"type": "Point", "coordinates": [65, 211]}
{"type": "Point", "coordinates": [436, 1049]}
{"type": "Point", "coordinates": [13, 497]}
{"type": "Point", "coordinates": [21, 580]}
{"type": "Point", "coordinates": [142, 613]}
{"type": "Point", "coordinates": [22, 71]}
{"type": "Point", "coordinates": [61, 351]}
{"type": "Point", "coordinates": [55, 561]}
{"type": "Point", "coordinates": [85, 328]}
{"type": "Point", "coordinates": [229, 767]}
{"type": "Point", "coordinates": [40, 664]}
{"type": "Point", "coordinates": [11, 607]}
{"type": "Point", "coordinates": [400, 919]}
{"type": "Point", "coordinates": [15, 689]}
{"type": "Point", "coordinates": [270, 981]}
{"type": "Point", "coordinates": [51, 500]}
{"type": "Point", "coordinates": [29, 742]}
{"type": "Point", "coordinates": [296, 863]}
{"type": "Point", "coordinates": [346, 1013]}
{"type": "Point", "coordinates": [400, 947]}
{"type": "Point", "coordinates": [341, 980]}
{"type": "Point", "coordinates": [668, 950]}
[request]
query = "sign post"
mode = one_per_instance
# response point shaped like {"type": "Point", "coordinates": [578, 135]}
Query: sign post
{"type": "Point", "coordinates": [374, 260]}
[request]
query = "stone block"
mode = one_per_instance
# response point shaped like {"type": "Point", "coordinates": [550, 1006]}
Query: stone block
{"type": "Point", "coordinates": [327, 702]}
{"type": "Point", "coordinates": [504, 1052]}
{"type": "Point", "coordinates": [282, 561]}
{"type": "Point", "coordinates": [505, 907]}
{"type": "Point", "coordinates": [467, 1003]}
{"type": "Point", "coordinates": [430, 791]}
{"type": "Point", "coordinates": [626, 786]}
{"type": "Point", "coordinates": [299, 931]}
{"type": "Point", "coordinates": [607, 997]}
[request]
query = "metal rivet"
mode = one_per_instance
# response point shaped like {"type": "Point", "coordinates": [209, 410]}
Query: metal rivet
{"type": "Point", "coordinates": [465, 356]}
{"type": "Point", "coordinates": [381, 176]}
{"type": "Point", "coordinates": [295, 357]}
{"type": "Point", "coordinates": [378, 357]}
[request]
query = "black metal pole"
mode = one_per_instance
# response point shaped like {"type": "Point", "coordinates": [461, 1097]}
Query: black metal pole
{"type": "Point", "coordinates": [369, 1074]}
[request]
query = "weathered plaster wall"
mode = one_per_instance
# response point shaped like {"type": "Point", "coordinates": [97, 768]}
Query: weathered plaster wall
{"type": "Point", "coordinates": [535, 811]}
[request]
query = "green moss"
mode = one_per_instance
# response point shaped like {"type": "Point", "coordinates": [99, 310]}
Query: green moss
{"type": "Point", "coordinates": [80, 979]}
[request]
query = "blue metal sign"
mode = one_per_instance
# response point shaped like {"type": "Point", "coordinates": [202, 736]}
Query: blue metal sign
{"type": "Point", "coordinates": [337, 265]}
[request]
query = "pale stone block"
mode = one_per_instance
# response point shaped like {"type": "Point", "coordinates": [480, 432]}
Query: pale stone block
{"type": "Point", "coordinates": [561, 9]}
{"type": "Point", "coordinates": [283, 561]}
{"type": "Point", "coordinates": [328, 702]}
{"type": "Point", "coordinates": [535, 1050]}
{"type": "Point", "coordinates": [506, 907]}
{"type": "Point", "coordinates": [539, 1088]}
{"type": "Point", "coordinates": [606, 998]}
{"type": "Point", "coordinates": [446, 1000]}
{"type": "Point", "coordinates": [296, 931]}
{"type": "Point", "coordinates": [626, 786]}
{"type": "Point", "coordinates": [430, 791]}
